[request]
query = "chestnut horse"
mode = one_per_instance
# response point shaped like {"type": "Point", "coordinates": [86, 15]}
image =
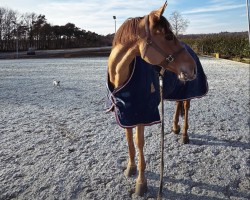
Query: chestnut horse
{"type": "Point", "coordinates": [151, 38]}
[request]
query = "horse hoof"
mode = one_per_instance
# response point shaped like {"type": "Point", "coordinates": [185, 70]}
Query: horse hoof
{"type": "Point", "coordinates": [130, 171]}
{"type": "Point", "coordinates": [177, 130]}
{"type": "Point", "coordinates": [184, 140]}
{"type": "Point", "coordinates": [141, 188]}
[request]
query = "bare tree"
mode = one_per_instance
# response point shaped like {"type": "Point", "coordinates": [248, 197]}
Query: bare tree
{"type": "Point", "coordinates": [179, 24]}
{"type": "Point", "coordinates": [29, 19]}
{"type": "Point", "coordinates": [2, 13]}
{"type": "Point", "coordinates": [8, 16]}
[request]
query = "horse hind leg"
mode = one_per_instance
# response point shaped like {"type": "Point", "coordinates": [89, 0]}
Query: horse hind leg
{"type": "Point", "coordinates": [184, 137]}
{"type": "Point", "coordinates": [176, 128]}
{"type": "Point", "coordinates": [141, 181]}
{"type": "Point", "coordinates": [131, 167]}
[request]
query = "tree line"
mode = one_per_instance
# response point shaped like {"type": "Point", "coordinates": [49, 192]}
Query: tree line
{"type": "Point", "coordinates": [32, 30]}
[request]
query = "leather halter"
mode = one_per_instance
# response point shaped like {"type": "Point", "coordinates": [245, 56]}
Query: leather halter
{"type": "Point", "coordinates": [168, 58]}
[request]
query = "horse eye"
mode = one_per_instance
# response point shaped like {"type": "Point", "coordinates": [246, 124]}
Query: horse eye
{"type": "Point", "coordinates": [169, 36]}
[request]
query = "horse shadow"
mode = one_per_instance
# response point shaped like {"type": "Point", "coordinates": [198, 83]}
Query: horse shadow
{"type": "Point", "coordinates": [205, 139]}
{"type": "Point", "coordinates": [228, 191]}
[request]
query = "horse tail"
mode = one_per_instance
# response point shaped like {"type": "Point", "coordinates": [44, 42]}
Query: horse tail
{"type": "Point", "coordinates": [182, 110]}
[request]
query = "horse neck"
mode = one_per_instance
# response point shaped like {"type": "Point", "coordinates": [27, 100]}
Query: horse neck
{"type": "Point", "coordinates": [119, 62]}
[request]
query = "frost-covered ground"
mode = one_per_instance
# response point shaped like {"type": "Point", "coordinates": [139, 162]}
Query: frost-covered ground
{"type": "Point", "coordinates": [57, 143]}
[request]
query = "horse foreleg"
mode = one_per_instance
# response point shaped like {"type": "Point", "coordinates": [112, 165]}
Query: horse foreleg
{"type": "Point", "coordinates": [185, 138]}
{"type": "Point", "coordinates": [131, 167]}
{"type": "Point", "coordinates": [141, 182]}
{"type": "Point", "coordinates": [176, 128]}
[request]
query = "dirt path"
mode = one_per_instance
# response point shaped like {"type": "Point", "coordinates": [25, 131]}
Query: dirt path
{"type": "Point", "coordinates": [57, 143]}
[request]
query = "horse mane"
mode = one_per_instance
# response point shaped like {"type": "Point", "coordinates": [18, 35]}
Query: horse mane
{"type": "Point", "coordinates": [128, 31]}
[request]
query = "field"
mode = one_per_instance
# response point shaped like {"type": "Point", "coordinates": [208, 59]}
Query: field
{"type": "Point", "coordinates": [58, 143]}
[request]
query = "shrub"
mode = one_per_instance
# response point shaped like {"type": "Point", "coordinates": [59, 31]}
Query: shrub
{"type": "Point", "coordinates": [230, 45]}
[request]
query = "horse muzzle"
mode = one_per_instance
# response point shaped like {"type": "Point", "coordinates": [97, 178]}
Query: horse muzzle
{"type": "Point", "coordinates": [185, 76]}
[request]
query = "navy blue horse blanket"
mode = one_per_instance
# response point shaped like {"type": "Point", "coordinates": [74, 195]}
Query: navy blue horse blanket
{"type": "Point", "coordinates": [136, 102]}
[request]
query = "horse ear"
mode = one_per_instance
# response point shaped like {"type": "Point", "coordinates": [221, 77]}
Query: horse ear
{"type": "Point", "coordinates": [162, 9]}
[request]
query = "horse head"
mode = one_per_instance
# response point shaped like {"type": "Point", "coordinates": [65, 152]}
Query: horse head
{"type": "Point", "coordinates": [150, 37]}
{"type": "Point", "coordinates": [159, 46]}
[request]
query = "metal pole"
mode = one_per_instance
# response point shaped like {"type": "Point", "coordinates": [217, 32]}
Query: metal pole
{"type": "Point", "coordinates": [17, 41]}
{"type": "Point", "coordinates": [247, 4]}
{"type": "Point", "coordinates": [114, 17]}
{"type": "Point", "coordinates": [159, 197]}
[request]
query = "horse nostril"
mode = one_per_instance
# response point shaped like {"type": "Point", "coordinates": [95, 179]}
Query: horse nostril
{"type": "Point", "coordinates": [182, 76]}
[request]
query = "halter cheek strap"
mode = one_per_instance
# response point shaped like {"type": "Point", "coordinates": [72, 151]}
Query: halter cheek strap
{"type": "Point", "coordinates": [148, 36]}
{"type": "Point", "coordinates": [168, 58]}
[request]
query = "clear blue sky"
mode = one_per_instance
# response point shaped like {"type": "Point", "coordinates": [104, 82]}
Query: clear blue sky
{"type": "Point", "coordinates": [210, 16]}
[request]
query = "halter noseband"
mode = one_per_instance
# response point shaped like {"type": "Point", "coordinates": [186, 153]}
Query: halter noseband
{"type": "Point", "coordinates": [168, 58]}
